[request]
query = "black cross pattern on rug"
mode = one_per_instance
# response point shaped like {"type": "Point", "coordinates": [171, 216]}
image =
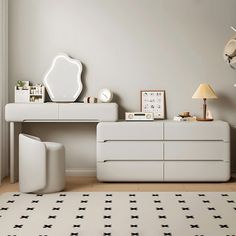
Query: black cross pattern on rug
{"type": "Point", "coordinates": [185, 208]}
{"type": "Point", "coordinates": [230, 201]}
{"type": "Point", "coordinates": [134, 234]}
{"type": "Point", "coordinates": [83, 201]}
{"type": "Point", "coordinates": [107, 226]}
{"type": "Point", "coordinates": [56, 208]}
{"type": "Point", "coordinates": [47, 226]}
{"type": "Point", "coordinates": [211, 208]}
{"type": "Point", "coordinates": [133, 201]}
{"type": "Point", "coordinates": [133, 226]}
{"type": "Point", "coordinates": [76, 226]}
{"type": "Point", "coordinates": [194, 226]}
{"type": "Point", "coordinates": [133, 216]}
{"type": "Point", "coordinates": [59, 201]}
{"type": "Point", "coordinates": [4, 209]}
{"type": "Point", "coordinates": [29, 208]}
{"type": "Point", "coordinates": [10, 201]}
{"type": "Point", "coordinates": [82, 208]}
{"type": "Point", "coordinates": [189, 217]}
{"type": "Point", "coordinates": [157, 201]}
{"type": "Point", "coordinates": [18, 226]}
{"type": "Point", "coordinates": [107, 208]}
{"type": "Point", "coordinates": [159, 208]}
{"type": "Point", "coordinates": [74, 234]}
{"type": "Point", "coordinates": [165, 226]}
{"type": "Point", "coordinates": [224, 226]}
{"type": "Point", "coordinates": [35, 201]}
{"type": "Point", "coordinates": [16, 195]}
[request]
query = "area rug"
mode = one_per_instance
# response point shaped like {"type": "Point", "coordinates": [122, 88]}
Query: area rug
{"type": "Point", "coordinates": [118, 214]}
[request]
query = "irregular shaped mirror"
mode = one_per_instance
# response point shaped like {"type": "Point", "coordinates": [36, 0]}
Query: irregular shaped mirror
{"type": "Point", "coordinates": [63, 79]}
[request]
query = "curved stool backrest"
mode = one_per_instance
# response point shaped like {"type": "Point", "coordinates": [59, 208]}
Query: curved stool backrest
{"type": "Point", "coordinates": [32, 163]}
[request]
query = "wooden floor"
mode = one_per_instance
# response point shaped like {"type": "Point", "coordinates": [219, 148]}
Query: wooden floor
{"type": "Point", "coordinates": [89, 184]}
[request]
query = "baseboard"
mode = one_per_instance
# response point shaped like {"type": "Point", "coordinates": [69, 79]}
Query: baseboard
{"type": "Point", "coordinates": [81, 172]}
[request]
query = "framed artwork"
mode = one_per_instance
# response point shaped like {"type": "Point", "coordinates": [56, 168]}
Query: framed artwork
{"type": "Point", "coordinates": [153, 101]}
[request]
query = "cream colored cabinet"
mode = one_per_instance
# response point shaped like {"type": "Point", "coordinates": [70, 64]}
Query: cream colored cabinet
{"type": "Point", "coordinates": [163, 151]}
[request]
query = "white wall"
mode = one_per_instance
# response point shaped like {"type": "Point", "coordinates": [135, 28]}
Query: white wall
{"type": "Point", "coordinates": [125, 45]}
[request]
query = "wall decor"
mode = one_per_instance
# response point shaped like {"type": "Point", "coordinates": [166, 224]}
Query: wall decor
{"type": "Point", "coordinates": [63, 79]}
{"type": "Point", "coordinates": [153, 101]}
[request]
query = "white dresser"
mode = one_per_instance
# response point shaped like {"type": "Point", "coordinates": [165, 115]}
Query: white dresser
{"type": "Point", "coordinates": [163, 151]}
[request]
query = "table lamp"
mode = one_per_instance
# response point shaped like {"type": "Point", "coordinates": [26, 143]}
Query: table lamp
{"type": "Point", "coordinates": [204, 91]}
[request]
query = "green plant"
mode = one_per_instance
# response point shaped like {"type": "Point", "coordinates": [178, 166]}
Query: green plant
{"type": "Point", "coordinates": [20, 83]}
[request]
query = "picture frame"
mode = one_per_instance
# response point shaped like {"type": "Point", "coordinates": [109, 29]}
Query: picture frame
{"type": "Point", "coordinates": [153, 101]}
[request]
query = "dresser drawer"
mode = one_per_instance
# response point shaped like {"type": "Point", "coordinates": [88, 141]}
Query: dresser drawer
{"type": "Point", "coordinates": [187, 171]}
{"type": "Point", "coordinates": [129, 131]}
{"type": "Point", "coordinates": [130, 171]}
{"type": "Point", "coordinates": [217, 130]}
{"type": "Point", "coordinates": [130, 150]}
{"type": "Point", "coordinates": [196, 150]}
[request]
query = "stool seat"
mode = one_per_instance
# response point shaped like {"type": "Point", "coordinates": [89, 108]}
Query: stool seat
{"type": "Point", "coordinates": [41, 165]}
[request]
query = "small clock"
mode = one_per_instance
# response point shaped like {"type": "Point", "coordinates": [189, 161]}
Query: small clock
{"type": "Point", "coordinates": [105, 95]}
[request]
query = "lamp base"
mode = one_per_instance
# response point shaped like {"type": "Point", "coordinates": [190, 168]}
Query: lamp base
{"type": "Point", "coordinates": [202, 119]}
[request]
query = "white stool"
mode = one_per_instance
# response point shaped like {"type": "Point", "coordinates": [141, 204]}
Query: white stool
{"type": "Point", "coordinates": [41, 165]}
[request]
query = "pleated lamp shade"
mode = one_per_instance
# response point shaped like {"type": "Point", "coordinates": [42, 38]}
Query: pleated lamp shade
{"type": "Point", "coordinates": [204, 91]}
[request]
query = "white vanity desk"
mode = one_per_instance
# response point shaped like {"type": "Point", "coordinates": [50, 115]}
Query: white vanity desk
{"type": "Point", "coordinates": [17, 113]}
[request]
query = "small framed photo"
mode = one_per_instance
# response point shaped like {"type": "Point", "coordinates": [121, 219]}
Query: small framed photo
{"type": "Point", "coordinates": [153, 101]}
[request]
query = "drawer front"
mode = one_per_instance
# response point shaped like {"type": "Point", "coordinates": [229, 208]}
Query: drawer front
{"type": "Point", "coordinates": [188, 171]}
{"type": "Point", "coordinates": [216, 130]}
{"type": "Point", "coordinates": [130, 150]}
{"type": "Point", "coordinates": [89, 112]}
{"type": "Point", "coordinates": [197, 150]}
{"type": "Point", "coordinates": [130, 131]}
{"type": "Point", "coordinates": [127, 171]}
{"type": "Point", "coordinates": [30, 112]}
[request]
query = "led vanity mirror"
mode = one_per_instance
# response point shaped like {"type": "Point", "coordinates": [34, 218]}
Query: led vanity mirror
{"type": "Point", "coordinates": [63, 79]}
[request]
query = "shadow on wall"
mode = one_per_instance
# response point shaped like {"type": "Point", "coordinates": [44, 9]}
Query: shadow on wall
{"type": "Point", "coordinates": [233, 148]}
{"type": "Point", "coordinates": [117, 99]}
